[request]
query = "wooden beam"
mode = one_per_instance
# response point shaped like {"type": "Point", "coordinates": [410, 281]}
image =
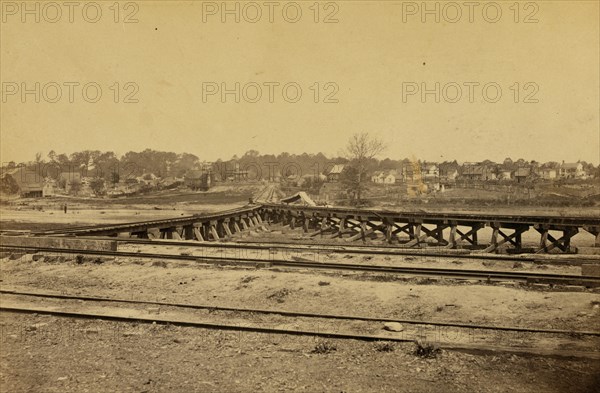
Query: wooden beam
{"type": "Point", "coordinates": [236, 227]}
{"type": "Point", "coordinates": [463, 236]}
{"type": "Point", "coordinates": [198, 234]}
{"type": "Point", "coordinates": [514, 238]}
{"type": "Point", "coordinates": [563, 243]}
{"type": "Point", "coordinates": [418, 238]}
{"type": "Point", "coordinates": [452, 240]}
{"type": "Point", "coordinates": [188, 232]}
{"type": "Point", "coordinates": [225, 226]}
{"type": "Point", "coordinates": [214, 233]}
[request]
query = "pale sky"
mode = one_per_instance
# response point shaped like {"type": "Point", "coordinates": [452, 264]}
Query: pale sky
{"type": "Point", "coordinates": [369, 54]}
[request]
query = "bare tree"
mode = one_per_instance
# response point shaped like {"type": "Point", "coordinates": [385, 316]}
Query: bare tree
{"type": "Point", "coordinates": [361, 150]}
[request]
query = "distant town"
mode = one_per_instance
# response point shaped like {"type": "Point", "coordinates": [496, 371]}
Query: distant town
{"type": "Point", "coordinates": [103, 174]}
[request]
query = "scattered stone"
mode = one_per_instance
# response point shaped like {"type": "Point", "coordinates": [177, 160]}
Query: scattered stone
{"type": "Point", "coordinates": [393, 326]}
{"type": "Point", "coordinates": [280, 295]}
{"type": "Point", "coordinates": [384, 346]}
{"type": "Point", "coordinates": [248, 279]}
{"type": "Point", "coordinates": [324, 347]}
{"type": "Point", "coordinates": [159, 263]}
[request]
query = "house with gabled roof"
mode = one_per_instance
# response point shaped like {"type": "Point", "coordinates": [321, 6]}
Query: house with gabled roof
{"type": "Point", "coordinates": [477, 172]}
{"type": "Point", "coordinates": [334, 174]}
{"type": "Point", "coordinates": [573, 170]}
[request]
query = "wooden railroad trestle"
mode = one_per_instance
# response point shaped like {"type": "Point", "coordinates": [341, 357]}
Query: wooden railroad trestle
{"type": "Point", "coordinates": [404, 229]}
{"type": "Point", "coordinates": [413, 230]}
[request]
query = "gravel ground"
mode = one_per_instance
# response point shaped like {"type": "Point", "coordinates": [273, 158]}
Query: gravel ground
{"type": "Point", "coordinates": [52, 354]}
{"type": "Point", "coordinates": [48, 354]}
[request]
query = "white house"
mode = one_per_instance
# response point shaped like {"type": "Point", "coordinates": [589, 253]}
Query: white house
{"type": "Point", "coordinates": [377, 177]}
{"type": "Point", "coordinates": [505, 174]}
{"type": "Point", "coordinates": [548, 173]}
{"type": "Point", "coordinates": [571, 170]}
{"type": "Point", "coordinates": [384, 177]}
{"type": "Point", "coordinates": [430, 171]}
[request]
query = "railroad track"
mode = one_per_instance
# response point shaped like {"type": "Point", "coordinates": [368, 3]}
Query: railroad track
{"type": "Point", "coordinates": [470, 337]}
{"type": "Point", "coordinates": [148, 223]}
{"type": "Point", "coordinates": [212, 308]}
{"type": "Point", "coordinates": [481, 275]}
{"type": "Point", "coordinates": [351, 249]}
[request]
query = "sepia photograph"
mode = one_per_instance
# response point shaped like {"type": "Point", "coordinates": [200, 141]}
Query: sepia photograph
{"type": "Point", "coordinates": [344, 196]}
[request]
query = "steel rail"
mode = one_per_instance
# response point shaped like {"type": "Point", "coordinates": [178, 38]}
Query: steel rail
{"type": "Point", "coordinates": [413, 271]}
{"type": "Point", "coordinates": [298, 314]}
{"type": "Point", "coordinates": [353, 249]}
{"type": "Point", "coordinates": [464, 347]}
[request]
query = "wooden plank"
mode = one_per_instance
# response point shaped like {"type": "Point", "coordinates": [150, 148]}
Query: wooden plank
{"type": "Point", "coordinates": [214, 233]}
{"type": "Point", "coordinates": [452, 240]}
{"type": "Point", "coordinates": [225, 226]}
{"type": "Point", "coordinates": [198, 234]}
{"type": "Point", "coordinates": [506, 239]}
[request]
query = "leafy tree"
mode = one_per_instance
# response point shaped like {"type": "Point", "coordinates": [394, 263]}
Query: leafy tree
{"type": "Point", "coordinates": [74, 187]}
{"type": "Point", "coordinates": [97, 185]}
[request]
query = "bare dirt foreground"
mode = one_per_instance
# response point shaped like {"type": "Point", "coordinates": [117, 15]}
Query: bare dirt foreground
{"type": "Point", "coordinates": [42, 353]}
